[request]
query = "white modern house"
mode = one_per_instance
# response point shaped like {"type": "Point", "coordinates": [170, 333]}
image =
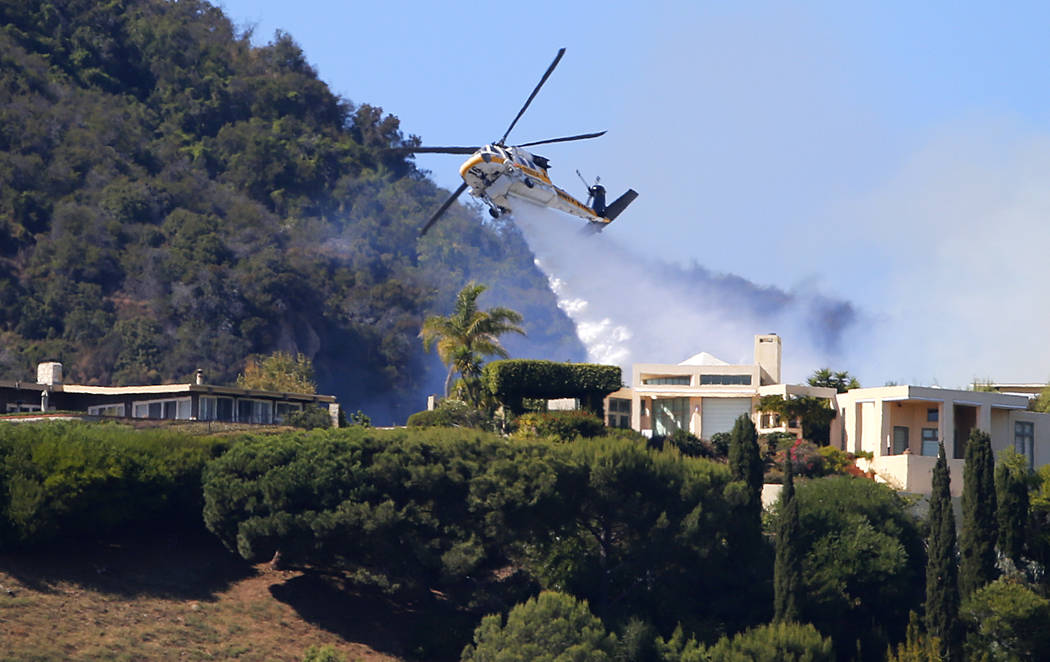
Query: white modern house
{"type": "Point", "coordinates": [900, 426]}
{"type": "Point", "coordinates": [704, 395]}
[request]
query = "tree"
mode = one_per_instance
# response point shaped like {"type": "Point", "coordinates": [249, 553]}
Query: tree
{"type": "Point", "coordinates": [745, 467]}
{"type": "Point", "coordinates": [552, 627]}
{"type": "Point", "coordinates": [787, 569]}
{"type": "Point", "coordinates": [776, 642]}
{"type": "Point", "coordinates": [863, 562]}
{"type": "Point", "coordinates": [467, 335]}
{"type": "Point", "coordinates": [1009, 621]}
{"type": "Point", "coordinates": [942, 574]}
{"type": "Point", "coordinates": [916, 647]}
{"type": "Point", "coordinates": [279, 371]}
{"type": "Point", "coordinates": [1042, 401]}
{"type": "Point", "coordinates": [840, 381]}
{"type": "Point", "coordinates": [980, 529]}
{"type": "Point", "coordinates": [813, 414]}
{"type": "Point", "coordinates": [1011, 487]}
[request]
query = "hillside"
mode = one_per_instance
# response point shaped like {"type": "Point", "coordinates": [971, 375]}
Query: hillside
{"type": "Point", "coordinates": [173, 198]}
{"type": "Point", "coordinates": [175, 598]}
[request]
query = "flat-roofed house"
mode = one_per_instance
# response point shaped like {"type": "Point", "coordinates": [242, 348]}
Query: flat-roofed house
{"type": "Point", "coordinates": [193, 401]}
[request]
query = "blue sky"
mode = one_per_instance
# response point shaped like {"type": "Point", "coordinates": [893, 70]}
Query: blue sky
{"type": "Point", "coordinates": [892, 154]}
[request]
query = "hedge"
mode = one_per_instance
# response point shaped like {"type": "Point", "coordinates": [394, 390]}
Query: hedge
{"type": "Point", "coordinates": [513, 380]}
{"type": "Point", "coordinates": [68, 480]}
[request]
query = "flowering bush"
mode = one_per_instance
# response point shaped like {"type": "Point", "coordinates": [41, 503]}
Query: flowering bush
{"type": "Point", "coordinates": [806, 459]}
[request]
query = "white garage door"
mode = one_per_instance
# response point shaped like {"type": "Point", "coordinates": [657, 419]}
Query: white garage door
{"type": "Point", "coordinates": [719, 414]}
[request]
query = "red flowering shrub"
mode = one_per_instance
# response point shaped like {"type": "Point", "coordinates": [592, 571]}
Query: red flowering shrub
{"type": "Point", "coordinates": [806, 459]}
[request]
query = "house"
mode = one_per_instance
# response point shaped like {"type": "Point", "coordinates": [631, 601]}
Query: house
{"type": "Point", "coordinates": [704, 395]}
{"type": "Point", "coordinates": [183, 402]}
{"type": "Point", "coordinates": [902, 426]}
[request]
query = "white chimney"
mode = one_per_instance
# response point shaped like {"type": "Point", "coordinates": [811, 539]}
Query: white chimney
{"type": "Point", "coordinates": [49, 373]}
{"type": "Point", "coordinates": [198, 377]}
{"type": "Point", "coordinates": [767, 356]}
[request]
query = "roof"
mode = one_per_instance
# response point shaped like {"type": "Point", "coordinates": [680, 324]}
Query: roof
{"type": "Point", "coordinates": [703, 358]}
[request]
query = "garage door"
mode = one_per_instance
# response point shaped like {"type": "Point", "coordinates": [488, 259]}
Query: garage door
{"type": "Point", "coordinates": [719, 414]}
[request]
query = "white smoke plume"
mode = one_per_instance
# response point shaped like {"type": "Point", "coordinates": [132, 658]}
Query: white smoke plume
{"type": "Point", "coordinates": [631, 308]}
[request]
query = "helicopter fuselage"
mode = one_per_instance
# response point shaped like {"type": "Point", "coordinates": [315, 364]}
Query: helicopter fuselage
{"type": "Point", "coordinates": [496, 172]}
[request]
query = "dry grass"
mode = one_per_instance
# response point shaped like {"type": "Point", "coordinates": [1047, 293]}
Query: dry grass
{"type": "Point", "coordinates": [167, 599]}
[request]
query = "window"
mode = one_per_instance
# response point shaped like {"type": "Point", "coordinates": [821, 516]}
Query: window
{"type": "Point", "coordinates": [670, 414]}
{"type": "Point", "coordinates": [285, 408]}
{"type": "Point", "coordinates": [20, 408]}
{"type": "Point", "coordinates": [933, 414]}
{"type": "Point", "coordinates": [215, 409]}
{"type": "Point", "coordinates": [681, 380]}
{"type": "Point", "coordinates": [173, 409]}
{"type": "Point", "coordinates": [725, 380]}
{"type": "Point", "coordinates": [1024, 440]}
{"type": "Point", "coordinates": [930, 444]}
{"type": "Point", "coordinates": [620, 405]}
{"type": "Point", "coordinates": [254, 411]}
{"type": "Point", "coordinates": [106, 410]}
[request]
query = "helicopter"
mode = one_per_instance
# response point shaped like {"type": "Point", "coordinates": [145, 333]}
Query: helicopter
{"type": "Point", "coordinates": [497, 171]}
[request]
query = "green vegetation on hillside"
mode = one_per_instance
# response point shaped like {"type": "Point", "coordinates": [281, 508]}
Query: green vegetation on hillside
{"type": "Point", "coordinates": [173, 198]}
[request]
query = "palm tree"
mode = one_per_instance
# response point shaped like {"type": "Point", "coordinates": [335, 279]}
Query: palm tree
{"type": "Point", "coordinates": [467, 335]}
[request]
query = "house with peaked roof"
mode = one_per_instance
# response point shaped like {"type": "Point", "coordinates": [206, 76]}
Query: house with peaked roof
{"type": "Point", "coordinates": [704, 395]}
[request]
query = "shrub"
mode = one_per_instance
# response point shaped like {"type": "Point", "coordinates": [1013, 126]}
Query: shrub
{"type": "Point", "coordinates": [562, 425]}
{"type": "Point", "coordinates": [451, 414]}
{"type": "Point", "coordinates": [688, 444]}
{"type": "Point", "coordinates": [776, 642]}
{"type": "Point", "coordinates": [76, 479]}
{"type": "Point", "coordinates": [806, 460]}
{"type": "Point", "coordinates": [309, 418]}
{"type": "Point", "coordinates": [548, 628]}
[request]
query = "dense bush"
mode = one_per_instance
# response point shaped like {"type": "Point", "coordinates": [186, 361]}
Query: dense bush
{"type": "Point", "coordinates": [777, 642]}
{"type": "Point", "coordinates": [75, 479]}
{"type": "Point", "coordinates": [452, 414]}
{"type": "Point", "coordinates": [551, 627]}
{"type": "Point", "coordinates": [561, 425]}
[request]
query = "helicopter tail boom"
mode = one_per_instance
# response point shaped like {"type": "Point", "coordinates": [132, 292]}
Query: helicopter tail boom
{"type": "Point", "coordinates": [619, 204]}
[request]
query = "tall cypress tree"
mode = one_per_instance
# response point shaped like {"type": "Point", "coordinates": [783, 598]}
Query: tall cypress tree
{"type": "Point", "coordinates": [942, 574]}
{"type": "Point", "coordinates": [980, 529]}
{"type": "Point", "coordinates": [745, 465]}
{"type": "Point", "coordinates": [787, 570]}
{"type": "Point", "coordinates": [1011, 487]}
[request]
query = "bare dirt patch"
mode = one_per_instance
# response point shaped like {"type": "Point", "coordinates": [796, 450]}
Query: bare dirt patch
{"type": "Point", "coordinates": [166, 598]}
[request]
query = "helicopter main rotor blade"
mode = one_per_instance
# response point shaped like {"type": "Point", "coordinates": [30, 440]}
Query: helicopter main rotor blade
{"type": "Point", "coordinates": [582, 136]}
{"type": "Point", "coordinates": [441, 150]}
{"type": "Point", "coordinates": [546, 75]}
{"type": "Point", "coordinates": [441, 210]}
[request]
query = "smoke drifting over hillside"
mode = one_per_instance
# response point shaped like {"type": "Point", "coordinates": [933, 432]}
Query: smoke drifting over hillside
{"type": "Point", "coordinates": [630, 308]}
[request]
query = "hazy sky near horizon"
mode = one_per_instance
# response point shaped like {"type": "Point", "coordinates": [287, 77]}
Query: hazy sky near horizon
{"type": "Point", "coordinates": [894, 154]}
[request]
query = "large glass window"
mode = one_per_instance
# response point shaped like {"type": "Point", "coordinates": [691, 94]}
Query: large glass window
{"type": "Point", "coordinates": [930, 443]}
{"type": "Point", "coordinates": [285, 408]}
{"type": "Point", "coordinates": [670, 414]}
{"type": "Point", "coordinates": [725, 380]}
{"type": "Point", "coordinates": [215, 408]}
{"type": "Point", "coordinates": [254, 411]}
{"type": "Point", "coordinates": [106, 410]}
{"type": "Point", "coordinates": [174, 409]}
{"type": "Point", "coordinates": [1024, 440]}
{"type": "Point", "coordinates": [679, 380]}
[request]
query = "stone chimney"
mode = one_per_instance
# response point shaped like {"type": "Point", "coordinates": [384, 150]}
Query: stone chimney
{"type": "Point", "coordinates": [767, 357]}
{"type": "Point", "coordinates": [49, 373]}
